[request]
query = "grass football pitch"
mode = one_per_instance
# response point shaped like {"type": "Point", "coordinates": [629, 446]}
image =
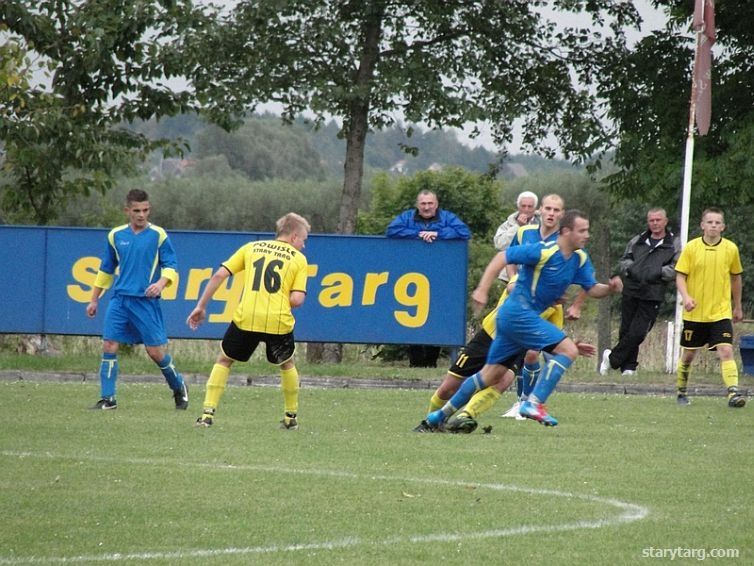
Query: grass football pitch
{"type": "Point", "coordinates": [621, 480]}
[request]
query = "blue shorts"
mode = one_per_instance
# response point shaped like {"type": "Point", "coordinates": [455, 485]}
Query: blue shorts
{"type": "Point", "coordinates": [134, 320]}
{"type": "Point", "coordinates": [519, 331]}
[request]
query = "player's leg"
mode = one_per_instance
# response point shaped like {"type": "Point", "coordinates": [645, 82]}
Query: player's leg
{"type": "Point", "coordinates": [721, 335]}
{"type": "Point", "coordinates": [489, 375]}
{"type": "Point", "coordinates": [145, 317]}
{"type": "Point", "coordinates": [280, 350]}
{"type": "Point", "coordinates": [484, 400]}
{"type": "Point", "coordinates": [237, 345]}
{"type": "Point", "coordinates": [564, 353]}
{"type": "Point", "coordinates": [108, 375]}
{"type": "Point", "coordinates": [513, 412]}
{"type": "Point", "coordinates": [693, 337]}
{"type": "Point", "coordinates": [117, 330]}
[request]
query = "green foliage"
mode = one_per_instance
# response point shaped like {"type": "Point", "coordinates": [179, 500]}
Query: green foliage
{"type": "Point", "coordinates": [471, 196]}
{"type": "Point", "coordinates": [647, 90]}
{"type": "Point", "coordinates": [438, 63]}
{"type": "Point", "coordinates": [73, 73]}
{"type": "Point", "coordinates": [263, 150]}
{"type": "Point", "coordinates": [207, 202]}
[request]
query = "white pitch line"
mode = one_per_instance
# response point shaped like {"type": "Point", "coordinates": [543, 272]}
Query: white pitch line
{"type": "Point", "coordinates": [630, 512]}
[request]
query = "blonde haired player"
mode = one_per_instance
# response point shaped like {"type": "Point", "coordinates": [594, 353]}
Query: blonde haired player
{"type": "Point", "coordinates": [275, 273]}
{"type": "Point", "coordinates": [708, 275]}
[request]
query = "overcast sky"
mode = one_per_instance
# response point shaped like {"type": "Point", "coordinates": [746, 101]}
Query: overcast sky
{"type": "Point", "coordinates": [652, 19]}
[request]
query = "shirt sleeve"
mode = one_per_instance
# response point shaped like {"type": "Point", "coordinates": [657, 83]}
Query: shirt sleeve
{"type": "Point", "coordinates": [453, 228]}
{"type": "Point", "coordinates": [402, 226]}
{"type": "Point", "coordinates": [108, 265]}
{"type": "Point", "coordinates": [168, 261]}
{"type": "Point", "coordinates": [299, 282]}
{"type": "Point", "coordinates": [682, 265]}
{"type": "Point", "coordinates": [236, 262]}
{"type": "Point", "coordinates": [585, 275]}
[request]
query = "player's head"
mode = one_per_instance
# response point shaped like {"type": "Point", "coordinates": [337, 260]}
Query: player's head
{"type": "Point", "coordinates": [294, 229]}
{"type": "Point", "coordinates": [137, 208]}
{"type": "Point", "coordinates": [713, 223]}
{"type": "Point", "coordinates": [551, 210]}
{"type": "Point", "coordinates": [574, 229]}
{"type": "Point", "coordinates": [427, 203]}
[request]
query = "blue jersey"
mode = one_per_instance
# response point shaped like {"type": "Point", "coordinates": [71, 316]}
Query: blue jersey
{"type": "Point", "coordinates": [141, 259]}
{"type": "Point", "coordinates": [530, 234]}
{"type": "Point", "coordinates": [545, 274]}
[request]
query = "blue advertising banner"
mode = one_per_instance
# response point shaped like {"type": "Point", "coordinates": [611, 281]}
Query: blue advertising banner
{"type": "Point", "coordinates": [361, 289]}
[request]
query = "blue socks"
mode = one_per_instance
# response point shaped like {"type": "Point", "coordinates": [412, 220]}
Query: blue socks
{"type": "Point", "coordinates": [529, 376]}
{"type": "Point", "coordinates": [108, 373]}
{"type": "Point", "coordinates": [174, 379]}
{"type": "Point", "coordinates": [464, 393]}
{"type": "Point", "coordinates": [554, 370]}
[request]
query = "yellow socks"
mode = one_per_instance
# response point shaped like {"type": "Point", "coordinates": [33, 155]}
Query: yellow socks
{"type": "Point", "coordinates": [729, 369]}
{"type": "Point", "coordinates": [682, 381]}
{"type": "Point", "coordinates": [289, 385]}
{"type": "Point", "coordinates": [482, 401]}
{"type": "Point", "coordinates": [216, 386]}
{"type": "Point", "coordinates": [435, 404]}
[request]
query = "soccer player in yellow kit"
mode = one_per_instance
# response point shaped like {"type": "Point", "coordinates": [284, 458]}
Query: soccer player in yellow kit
{"type": "Point", "coordinates": [275, 273]}
{"type": "Point", "coordinates": [708, 275]}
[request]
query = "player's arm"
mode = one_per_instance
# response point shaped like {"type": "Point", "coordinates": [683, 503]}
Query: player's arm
{"type": "Point", "coordinates": [199, 313]}
{"type": "Point", "coordinates": [296, 298]}
{"type": "Point", "coordinates": [574, 311]}
{"type": "Point", "coordinates": [105, 276]}
{"type": "Point", "coordinates": [91, 308]}
{"type": "Point", "coordinates": [680, 282]}
{"type": "Point", "coordinates": [736, 286]}
{"type": "Point", "coordinates": [481, 293]}
{"type": "Point", "coordinates": [600, 290]}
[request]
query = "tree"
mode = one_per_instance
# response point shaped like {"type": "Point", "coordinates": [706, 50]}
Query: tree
{"type": "Point", "coordinates": [648, 92]}
{"type": "Point", "coordinates": [440, 63]}
{"type": "Point", "coordinates": [73, 72]}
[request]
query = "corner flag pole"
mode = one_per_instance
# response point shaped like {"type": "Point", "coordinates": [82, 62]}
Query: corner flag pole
{"type": "Point", "coordinates": [704, 24]}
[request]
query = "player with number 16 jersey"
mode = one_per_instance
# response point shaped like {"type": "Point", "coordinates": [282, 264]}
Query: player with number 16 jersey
{"type": "Point", "coordinates": [274, 273]}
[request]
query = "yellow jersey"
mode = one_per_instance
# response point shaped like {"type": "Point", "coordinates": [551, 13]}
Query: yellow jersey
{"type": "Point", "coordinates": [708, 269]}
{"type": "Point", "coordinates": [272, 269]}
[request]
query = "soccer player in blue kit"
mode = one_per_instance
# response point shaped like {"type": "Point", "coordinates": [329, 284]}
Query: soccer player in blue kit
{"type": "Point", "coordinates": [146, 264]}
{"type": "Point", "coordinates": [546, 271]}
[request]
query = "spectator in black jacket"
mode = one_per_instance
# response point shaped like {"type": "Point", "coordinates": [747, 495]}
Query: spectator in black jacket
{"type": "Point", "coordinates": [645, 269]}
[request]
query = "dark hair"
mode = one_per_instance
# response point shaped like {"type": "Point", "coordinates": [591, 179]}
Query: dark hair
{"type": "Point", "coordinates": [569, 219]}
{"type": "Point", "coordinates": [136, 195]}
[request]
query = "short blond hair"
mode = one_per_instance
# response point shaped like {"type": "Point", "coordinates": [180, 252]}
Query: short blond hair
{"type": "Point", "coordinates": [290, 224]}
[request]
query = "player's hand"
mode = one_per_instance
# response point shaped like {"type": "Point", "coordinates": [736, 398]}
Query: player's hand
{"type": "Point", "coordinates": [573, 312]}
{"type": "Point", "coordinates": [738, 314]}
{"type": "Point", "coordinates": [616, 285]}
{"type": "Point", "coordinates": [689, 304]}
{"type": "Point", "coordinates": [154, 290]}
{"type": "Point", "coordinates": [478, 301]}
{"type": "Point", "coordinates": [91, 309]}
{"type": "Point", "coordinates": [196, 317]}
{"type": "Point", "coordinates": [586, 350]}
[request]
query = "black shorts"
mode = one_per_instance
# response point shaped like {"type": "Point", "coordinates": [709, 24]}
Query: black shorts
{"type": "Point", "coordinates": [239, 345]}
{"type": "Point", "coordinates": [472, 357]}
{"type": "Point", "coordinates": [698, 334]}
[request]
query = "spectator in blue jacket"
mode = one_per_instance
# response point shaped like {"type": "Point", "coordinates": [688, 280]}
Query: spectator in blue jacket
{"type": "Point", "coordinates": [428, 222]}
